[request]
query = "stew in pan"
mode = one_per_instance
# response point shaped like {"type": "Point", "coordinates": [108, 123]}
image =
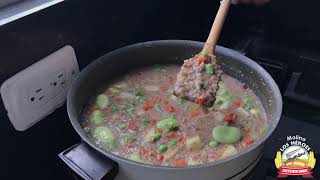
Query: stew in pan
{"type": "Point", "coordinates": [138, 117]}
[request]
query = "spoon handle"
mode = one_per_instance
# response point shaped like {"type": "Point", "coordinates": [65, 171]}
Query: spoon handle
{"type": "Point", "coordinates": [217, 26]}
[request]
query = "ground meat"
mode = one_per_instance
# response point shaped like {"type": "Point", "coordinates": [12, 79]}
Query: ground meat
{"type": "Point", "coordinates": [195, 84]}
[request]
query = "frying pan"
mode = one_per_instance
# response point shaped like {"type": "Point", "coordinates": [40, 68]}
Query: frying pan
{"type": "Point", "coordinates": [120, 61]}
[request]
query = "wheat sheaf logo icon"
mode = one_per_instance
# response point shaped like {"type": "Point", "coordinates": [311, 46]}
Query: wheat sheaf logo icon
{"type": "Point", "coordinates": [295, 158]}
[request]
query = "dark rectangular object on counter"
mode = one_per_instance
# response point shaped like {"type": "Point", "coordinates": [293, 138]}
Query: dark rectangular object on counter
{"type": "Point", "coordinates": [88, 163]}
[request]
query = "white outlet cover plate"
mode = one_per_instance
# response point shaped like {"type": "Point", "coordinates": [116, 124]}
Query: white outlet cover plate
{"type": "Point", "coordinates": [38, 90]}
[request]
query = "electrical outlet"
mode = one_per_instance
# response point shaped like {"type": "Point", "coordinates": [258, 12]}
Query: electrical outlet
{"type": "Point", "coordinates": [38, 90]}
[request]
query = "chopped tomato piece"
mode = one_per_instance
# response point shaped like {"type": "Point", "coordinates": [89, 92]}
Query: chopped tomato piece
{"type": "Point", "coordinates": [181, 163]}
{"type": "Point", "coordinates": [153, 121]}
{"type": "Point", "coordinates": [159, 130]}
{"type": "Point", "coordinates": [201, 100]}
{"type": "Point", "coordinates": [132, 125]}
{"type": "Point", "coordinates": [201, 59]}
{"type": "Point", "coordinates": [249, 140]}
{"type": "Point", "coordinates": [160, 157]}
{"type": "Point", "coordinates": [231, 117]}
{"type": "Point", "coordinates": [172, 134]}
{"type": "Point", "coordinates": [237, 103]}
{"type": "Point", "coordinates": [148, 105]}
{"type": "Point", "coordinates": [194, 113]}
{"type": "Point", "coordinates": [169, 108]}
{"type": "Point", "coordinates": [180, 138]}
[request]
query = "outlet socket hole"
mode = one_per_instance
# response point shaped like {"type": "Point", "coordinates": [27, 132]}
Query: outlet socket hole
{"type": "Point", "coordinates": [32, 99]}
{"type": "Point", "coordinates": [55, 83]}
{"type": "Point", "coordinates": [62, 83]}
{"type": "Point", "coordinates": [60, 76]}
{"type": "Point", "coordinates": [41, 98]}
{"type": "Point", "coordinates": [38, 90]}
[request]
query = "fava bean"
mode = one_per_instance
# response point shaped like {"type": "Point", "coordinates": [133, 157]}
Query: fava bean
{"type": "Point", "coordinates": [226, 134]}
{"type": "Point", "coordinates": [168, 123]}
{"type": "Point", "coordinates": [102, 101]}
{"type": "Point", "coordinates": [96, 117]}
{"type": "Point", "coordinates": [105, 136]}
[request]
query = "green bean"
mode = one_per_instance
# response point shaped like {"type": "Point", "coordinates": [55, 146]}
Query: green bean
{"type": "Point", "coordinates": [146, 121]}
{"type": "Point", "coordinates": [210, 69]}
{"type": "Point", "coordinates": [124, 139]}
{"type": "Point", "coordinates": [157, 137]}
{"type": "Point", "coordinates": [205, 54]}
{"type": "Point", "coordinates": [102, 101]}
{"type": "Point", "coordinates": [162, 148]}
{"type": "Point", "coordinates": [226, 134]}
{"type": "Point", "coordinates": [172, 143]}
{"type": "Point", "coordinates": [96, 117]}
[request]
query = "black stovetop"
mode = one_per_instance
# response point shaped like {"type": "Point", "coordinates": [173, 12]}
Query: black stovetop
{"type": "Point", "coordinates": [293, 72]}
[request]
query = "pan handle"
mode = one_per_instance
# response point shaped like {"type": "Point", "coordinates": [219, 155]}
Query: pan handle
{"type": "Point", "coordinates": [88, 163]}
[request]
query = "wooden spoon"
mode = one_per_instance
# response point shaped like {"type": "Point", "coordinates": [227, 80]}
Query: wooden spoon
{"type": "Point", "coordinates": [216, 27]}
{"type": "Point", "coordinates": [199, 76]}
